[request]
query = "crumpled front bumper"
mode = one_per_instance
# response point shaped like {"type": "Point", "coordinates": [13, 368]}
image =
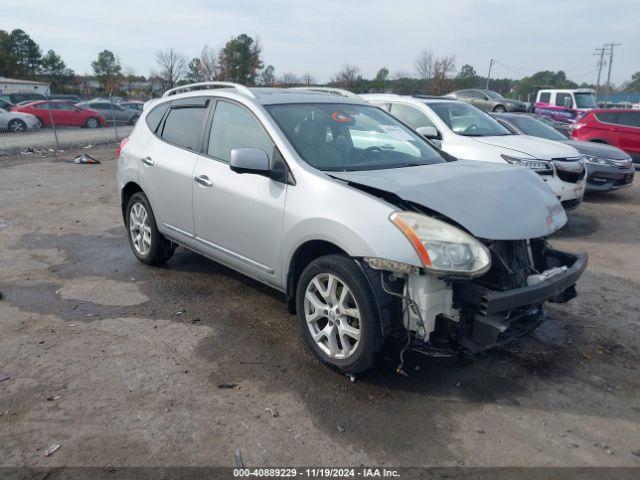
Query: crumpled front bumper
{"type": "Point", "coordinates": [502, 316]}
{"type": "Point", "coordinates": [556, 288]}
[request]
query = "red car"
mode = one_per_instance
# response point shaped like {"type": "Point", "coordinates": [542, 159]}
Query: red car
{"type": "Point", "coordinates": [63, 113]}
{"type": "Point", "coordinates": [617, 127]}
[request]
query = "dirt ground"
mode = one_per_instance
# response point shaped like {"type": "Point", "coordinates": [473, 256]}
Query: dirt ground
{"type": "Point", "coordinates": [121, 364]}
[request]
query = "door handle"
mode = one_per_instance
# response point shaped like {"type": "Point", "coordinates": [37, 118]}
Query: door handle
{"type": "Point", "coordinates": [147, 161]}
{"type": "Point", "coordinates": [203, 180]}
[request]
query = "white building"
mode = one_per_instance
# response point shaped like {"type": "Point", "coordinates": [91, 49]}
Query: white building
{"type": "Point", "coordinates": [12, 85]}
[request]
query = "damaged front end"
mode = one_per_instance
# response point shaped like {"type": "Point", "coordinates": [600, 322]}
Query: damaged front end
{"type": "Point", "coordinates": [447, 315]}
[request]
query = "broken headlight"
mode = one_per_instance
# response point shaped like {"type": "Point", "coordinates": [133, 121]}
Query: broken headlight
{"type": "Point", "coordinates": [443, 248]}
{"type": "Point", "coordinates": [539, 166]}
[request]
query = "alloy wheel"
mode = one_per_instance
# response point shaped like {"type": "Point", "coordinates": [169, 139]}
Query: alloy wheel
{"type": "Point", "coordinates": [17, 126]}
{"type": "Point", "coordinates": [332, 316]}
{"type": "Point", "coordinates": [140, 229]}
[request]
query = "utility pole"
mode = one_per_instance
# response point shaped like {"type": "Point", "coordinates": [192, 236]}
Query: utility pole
{"type": "Point", "coordinates": [600, 52]}
{"type": "Point", "coordinates": [611, 47]}
{"type": "Point", "coordinates": [489, 74]}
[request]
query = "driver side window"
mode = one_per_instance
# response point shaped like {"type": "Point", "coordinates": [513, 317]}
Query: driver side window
{"type": "Point", "coordinates": [410, 115]}
{"type": "Point", "coordinates": [235, 127]}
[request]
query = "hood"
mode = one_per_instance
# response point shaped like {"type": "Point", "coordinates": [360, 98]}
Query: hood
{"type": "Point", "coordinates": [597, 149]}
{"type": "Point", "coordinates": [492, 201]}
{"type": "Point", "coordinates": [532, 146]}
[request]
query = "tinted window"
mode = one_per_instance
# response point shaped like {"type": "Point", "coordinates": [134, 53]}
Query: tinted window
{"type": "Point", "coordinates": [545, 97]}
{"type": "Point", "coordinates": [183, 127]}
{"type": "Point", "coordinates": [65, 106]}
{"type": "Point", "coordinates": [607, 117]}
{"type": "Point", "coordinates": [42, 106]}
{"type": "Point", "coordinates": [561, 97]}
{"type": "Point", "coordinates": [344, 137]}
{"type": "Point", "coordinates": [467, 120]}
{"type": "Point", "coordinates": [631, 119]}
{"type": "Point", "coordinates": [534, 127]}
{"type": "Point", "coordinates": [235, 127]}
{"type": "Point", "coordinates": [585, 100]}
{"type": "Point", "coordinates": [410, 115]}
{"type": "Point", "coordinates": [463, 94]}
{"type": "Point", "coordinates": [154, 116]}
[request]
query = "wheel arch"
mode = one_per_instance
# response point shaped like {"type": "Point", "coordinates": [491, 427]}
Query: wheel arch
{"type": "Point", "coordinates": [598, 140]}
{"type": "Point", "coordinates": [128, 191]}
{"type": "Point", "coordinates": [303, 256]}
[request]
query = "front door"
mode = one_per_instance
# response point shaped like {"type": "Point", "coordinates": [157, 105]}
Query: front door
{"type": "Point", "coordinates": [238, 217]}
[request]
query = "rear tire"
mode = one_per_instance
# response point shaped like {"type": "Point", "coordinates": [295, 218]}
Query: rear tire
{"type": "Point", "coordinates": [17, 126]}
{"type": "Point", "coordinates": [147, 243]}
{"type": "Point", "coordinates": [330, 320]}
{"type": "Point", "coordinates": [499, 109]}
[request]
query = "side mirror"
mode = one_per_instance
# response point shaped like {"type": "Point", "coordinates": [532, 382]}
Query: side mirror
{"type": "Point", "coordinates": [249, 160]}
{"type": "Point", "coordinates": [428, 132]}
{"type": "Point", "coordinates": [568, 102]}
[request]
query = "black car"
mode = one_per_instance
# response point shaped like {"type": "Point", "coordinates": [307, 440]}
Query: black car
{"type": "Point", "coordinates": [608, 168]}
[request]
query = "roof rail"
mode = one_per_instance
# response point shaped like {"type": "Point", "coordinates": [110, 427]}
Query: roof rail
{"type": "Point", "coordinates": [335, 91]}
{"type": "Point", "coordinates": [202, 85]}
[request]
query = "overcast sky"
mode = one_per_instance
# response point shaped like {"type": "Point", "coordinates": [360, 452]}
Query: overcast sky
{"type": "Point", "coordinates": [321, 35]}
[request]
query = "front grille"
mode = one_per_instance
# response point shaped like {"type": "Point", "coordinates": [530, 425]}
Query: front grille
{"type": "Point", "coordinates": [510, 265]}
{"type": "Point", "coordinates": [570, 177]}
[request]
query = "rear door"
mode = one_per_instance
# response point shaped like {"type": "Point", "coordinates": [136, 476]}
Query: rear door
{"type": "Point", "coordinates": [628, 132]}
{"type": "Point", "coordinates": [166, 166]}
{"type": "Point", "coordinates": [238, 217]}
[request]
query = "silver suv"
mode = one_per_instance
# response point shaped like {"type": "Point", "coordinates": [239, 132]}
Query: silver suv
{"type": "Point", "coordinates": [370, 231]}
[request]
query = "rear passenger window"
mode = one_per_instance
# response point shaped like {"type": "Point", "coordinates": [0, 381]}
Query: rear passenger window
{"type": "Point", "coordinates": [183, 127]}
{"type": "Point", "coordinates": [607, 117]}
{"type": "Point", "coordinates": [410, 115]}
{"type": "Point", "coordinates": [154, 117]}
{"type": "Point", "coordinates": [545, 97]}
{"type": "Point", "coordinates": [235, 127]}
{"type": "Point", "coordinates": [630, 119]}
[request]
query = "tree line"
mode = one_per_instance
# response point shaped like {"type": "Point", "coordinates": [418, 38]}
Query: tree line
{"type": "Point", "coordinates": [240, 60]}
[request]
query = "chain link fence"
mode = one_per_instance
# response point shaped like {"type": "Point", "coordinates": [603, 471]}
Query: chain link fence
{"type": "Point", "coordinates": [54, 124]}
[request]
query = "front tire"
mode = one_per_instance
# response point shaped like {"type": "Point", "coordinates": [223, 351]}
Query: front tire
{"type": "Point", "coordinates": [92, 122]}
{"type": "Point", "coordinates": [339, 313]}
{"type": "Point", "coordinates": [17, 126]}
{"type": "Point", "coordinates": [147, 243]}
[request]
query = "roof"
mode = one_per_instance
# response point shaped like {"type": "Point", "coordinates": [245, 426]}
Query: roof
{"type": "Point", "coordinates": [271, 96]}
{"type": "Point", "coordinates": [23, 82]}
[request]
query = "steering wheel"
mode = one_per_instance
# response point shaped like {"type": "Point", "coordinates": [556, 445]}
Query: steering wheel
{"type": "Point", "coordinates": [367, 151]}
{"type": "Point", "coordinates": [470, 128]}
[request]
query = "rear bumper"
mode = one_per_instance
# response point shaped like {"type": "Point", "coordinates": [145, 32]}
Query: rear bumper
{"type": "Point", "coordinates": [559, 288]}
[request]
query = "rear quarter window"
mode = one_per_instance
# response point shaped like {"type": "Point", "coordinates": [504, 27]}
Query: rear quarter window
{"type": "Point", "coordinates": [154, 117]}
{"type": "Point", "coordinates": [545, 97]}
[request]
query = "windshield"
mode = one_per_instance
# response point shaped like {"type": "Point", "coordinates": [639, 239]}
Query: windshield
{"type": "Point", "coordinates": [343, 137]}
{"type": "Point", "coordinates": [467, 120]}
{"type": "Point", "coordinates": [535, 128]}
{"type": "Point", "coordinates": [585, 100]}
{"type": "Point", "coordinates": [494, 95]}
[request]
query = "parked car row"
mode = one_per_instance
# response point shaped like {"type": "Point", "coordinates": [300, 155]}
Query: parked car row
{"type": "Point", "coordinates": [372, 231]}
{"type": "Point", "coordinates": [573, 112]}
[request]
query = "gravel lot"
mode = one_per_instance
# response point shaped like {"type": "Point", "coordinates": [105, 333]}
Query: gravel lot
{"type": "Point", "coordinates": [45, 138]}
{"type": "Point", "coordinates": [137, 354]}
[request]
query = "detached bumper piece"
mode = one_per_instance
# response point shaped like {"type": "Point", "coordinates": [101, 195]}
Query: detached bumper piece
{"type": "Point", "coordinates": [499, 316]}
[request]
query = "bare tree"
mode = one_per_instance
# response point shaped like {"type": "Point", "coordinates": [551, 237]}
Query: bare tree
{"type": "Point", "coordinates": [346, 78]}
{"type": "Point", "coordinates": [289, 80]}
{"type": "Point", "coordinates": [172, 66]}
{"type": "Point", "coordinates": [443, 70]}
{"type": "Point", "coordinates": [308, 80]}
{"type": "Point", "coordinates": [209, 63]}
{"type": "Point", "coordinates": [424, 64]}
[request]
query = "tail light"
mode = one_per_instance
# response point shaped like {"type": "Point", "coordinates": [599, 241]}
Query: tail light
{"type": "Point", "coordinates": [121, 147]}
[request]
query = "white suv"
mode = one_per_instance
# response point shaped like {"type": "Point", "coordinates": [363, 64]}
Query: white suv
{"type": "Point", "coordinates": [466, 132]}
